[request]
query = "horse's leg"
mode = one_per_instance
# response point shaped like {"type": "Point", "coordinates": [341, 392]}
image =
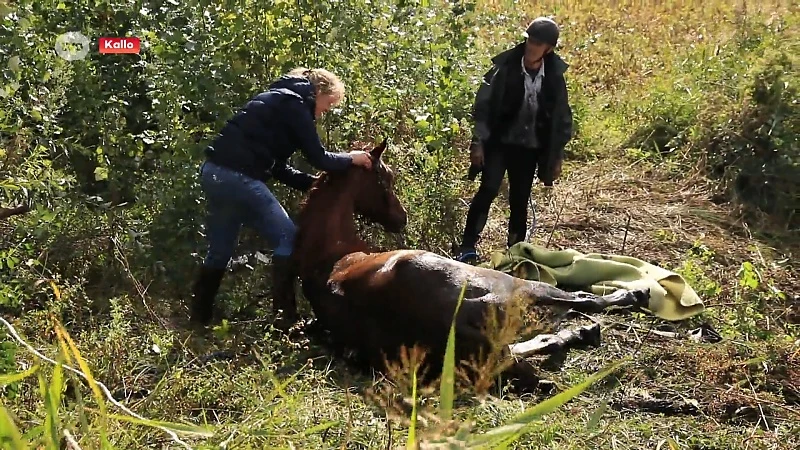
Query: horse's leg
{"type": "Point", "coordinates": [522, 376]}
{"type": "Point", "coordinates": [585, 302]}
{"type": "Point", "coordinates": [474, 342]}
{"type": "Point", "coordinates": [568, 338]}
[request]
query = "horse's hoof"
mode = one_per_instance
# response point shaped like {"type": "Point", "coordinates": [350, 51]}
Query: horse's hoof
{"type": "Point", "coordinates": [642, 297]}
{"type": "Point", "coordinates": [590, 335]}
{"type": "Point", "coordinates": [623, 298]}
{"type": "Point", "coordinates": [522, 376]}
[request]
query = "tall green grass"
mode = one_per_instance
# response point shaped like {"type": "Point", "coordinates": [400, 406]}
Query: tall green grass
{"type": "Point", "coordinates": [499, 437]}
{"type": "Point", "coordinates": [94, 423]}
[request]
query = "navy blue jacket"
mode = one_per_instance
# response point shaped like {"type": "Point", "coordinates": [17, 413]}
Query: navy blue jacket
{"type": "Point", "coordinates": [263, 135]}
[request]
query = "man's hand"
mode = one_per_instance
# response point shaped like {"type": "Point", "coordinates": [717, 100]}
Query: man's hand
{"type": "Point", "coordinates": [362, 159]}
{"type": "Point", "coordinates": [552, 177]}
{"type": "Point", "coordinates": [476, 154]}
{"type": "Point", "coordinates": [557, 170]}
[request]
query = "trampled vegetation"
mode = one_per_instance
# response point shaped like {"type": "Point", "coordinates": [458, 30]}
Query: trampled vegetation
{"type": "Point", "coordinates": [686, 155]}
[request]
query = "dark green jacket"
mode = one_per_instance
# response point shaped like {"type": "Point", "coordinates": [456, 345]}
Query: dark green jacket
{"type": "Point", "coordinates": [499, 99]}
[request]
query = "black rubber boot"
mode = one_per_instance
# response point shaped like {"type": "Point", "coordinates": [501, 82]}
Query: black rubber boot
{"type": "Point", "coordinates": [201, 310]}
{"type": "Point", "coordinates": [284, 301]}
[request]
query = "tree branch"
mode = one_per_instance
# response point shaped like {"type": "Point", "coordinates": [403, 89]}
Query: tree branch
{"type": "Point", "coordinates": [8, 212]}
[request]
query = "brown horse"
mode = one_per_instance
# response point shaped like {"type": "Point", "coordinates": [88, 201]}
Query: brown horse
{"type": "Point", "coordinates": [378, 302]}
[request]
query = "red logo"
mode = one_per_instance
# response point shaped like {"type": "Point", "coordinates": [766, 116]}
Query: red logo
{"type": "Point", "coordinates": [119, 45]}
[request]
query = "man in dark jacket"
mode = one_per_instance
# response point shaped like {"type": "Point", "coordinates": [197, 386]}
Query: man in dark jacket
{"type": "Point", "coordinates": [523, 121]}
{"type": "Point", "coordinates": [254, 146]}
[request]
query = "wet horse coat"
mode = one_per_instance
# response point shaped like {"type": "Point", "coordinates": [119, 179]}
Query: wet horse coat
{"type": "Point", "coordinates": [378, 302]}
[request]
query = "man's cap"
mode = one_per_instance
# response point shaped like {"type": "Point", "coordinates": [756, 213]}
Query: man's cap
{"type": "Point", "coordinates": [543, 29]}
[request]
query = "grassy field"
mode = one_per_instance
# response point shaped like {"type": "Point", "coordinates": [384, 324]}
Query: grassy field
{"type": "Point", "coordinates": [686, 155]}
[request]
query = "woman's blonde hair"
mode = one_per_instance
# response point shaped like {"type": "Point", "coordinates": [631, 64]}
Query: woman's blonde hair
{"type": "Point", "coordinates": [324, 81]}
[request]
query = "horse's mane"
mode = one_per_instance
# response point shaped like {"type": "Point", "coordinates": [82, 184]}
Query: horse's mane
{"type": "Point", "coordinates": [325, 178]}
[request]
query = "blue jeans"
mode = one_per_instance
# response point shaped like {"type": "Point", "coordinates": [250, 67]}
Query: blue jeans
{"type": "Point", "coordinates": [233, 200]}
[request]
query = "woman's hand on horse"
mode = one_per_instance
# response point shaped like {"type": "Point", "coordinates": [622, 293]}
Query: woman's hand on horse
{"type": "Point", "coordinates": [362, 159]}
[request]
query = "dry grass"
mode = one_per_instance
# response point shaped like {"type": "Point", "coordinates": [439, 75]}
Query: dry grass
{"type": "Point", "coordinates": [642, 210]}
{"type": "Point", "coordinates": [745, 388]}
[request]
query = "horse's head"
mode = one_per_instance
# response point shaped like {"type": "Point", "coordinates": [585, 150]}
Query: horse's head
{"type": "Point", "coordinates": [375, 198]}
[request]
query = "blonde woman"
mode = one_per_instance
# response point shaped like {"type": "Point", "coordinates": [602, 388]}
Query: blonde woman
{"type": "Point", "coordinates": [253, 147]}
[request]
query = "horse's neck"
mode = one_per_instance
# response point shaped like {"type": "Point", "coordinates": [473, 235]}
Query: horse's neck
{"type": "Point", "coordinates": [327, 231]}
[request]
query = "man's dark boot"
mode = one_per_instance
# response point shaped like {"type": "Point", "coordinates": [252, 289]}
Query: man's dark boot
{"type": "Point", "coordinates": [284, 302]}
{"type": "Point", "coordinates": [201, 310]}
{"type": "Point", "coordinates": [466, 254]}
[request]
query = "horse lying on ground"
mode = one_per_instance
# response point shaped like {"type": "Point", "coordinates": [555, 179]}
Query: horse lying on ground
{"type": "Point", "coordinates": [378, 303]}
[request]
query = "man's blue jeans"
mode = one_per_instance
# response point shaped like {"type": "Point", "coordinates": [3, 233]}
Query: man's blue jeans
{"type": "Point", "coordinates": [233, 200]}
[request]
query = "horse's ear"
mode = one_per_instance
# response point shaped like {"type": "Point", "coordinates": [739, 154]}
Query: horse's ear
{"type": "Point", "coordinates": [378, 151]}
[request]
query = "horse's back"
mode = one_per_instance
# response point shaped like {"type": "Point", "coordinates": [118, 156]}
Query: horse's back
{"type": "Point", "coordinates": [360, 264]}
{"type": "Point", "coordinates": [407, 297]}
{"type": "Point", "coordinates": [417, 282]}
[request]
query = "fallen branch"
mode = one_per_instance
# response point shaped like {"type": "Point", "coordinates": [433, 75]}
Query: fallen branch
{"type": "Point", "coordinates": [8, 212]}
{"type": "Point", "coordinates": [72, 444]}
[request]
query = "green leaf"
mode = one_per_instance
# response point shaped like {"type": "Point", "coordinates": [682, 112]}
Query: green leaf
{"type": "Point", "coordinates": [52, 401]}
{"type": "Point", "coordinates": [68, 346]}
{"type": "Point", "coordinates": [100, 173]}
{"type": "Point", "coordinates": [13, 63]}
{"type": "Point", "coordinates": [34, 434]}
{"type": "Point", "coordinates": [5, 10]}
{"type": "Point", "coordinates": [9, 433]}
{"type": "Point", "coordinates": [446, 389]}
{"type": "Point", "coordinates": [597, 415]}
{"type": "Point", "coordinates": [411, 442]}
{"type": "Point", "coordinates": [16, 377]}
{"type": "Point", "coordinates": [748, 276]}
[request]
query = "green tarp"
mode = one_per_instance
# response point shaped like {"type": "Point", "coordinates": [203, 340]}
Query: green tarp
{"type": "Point", "coordinates": [671, 296]}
